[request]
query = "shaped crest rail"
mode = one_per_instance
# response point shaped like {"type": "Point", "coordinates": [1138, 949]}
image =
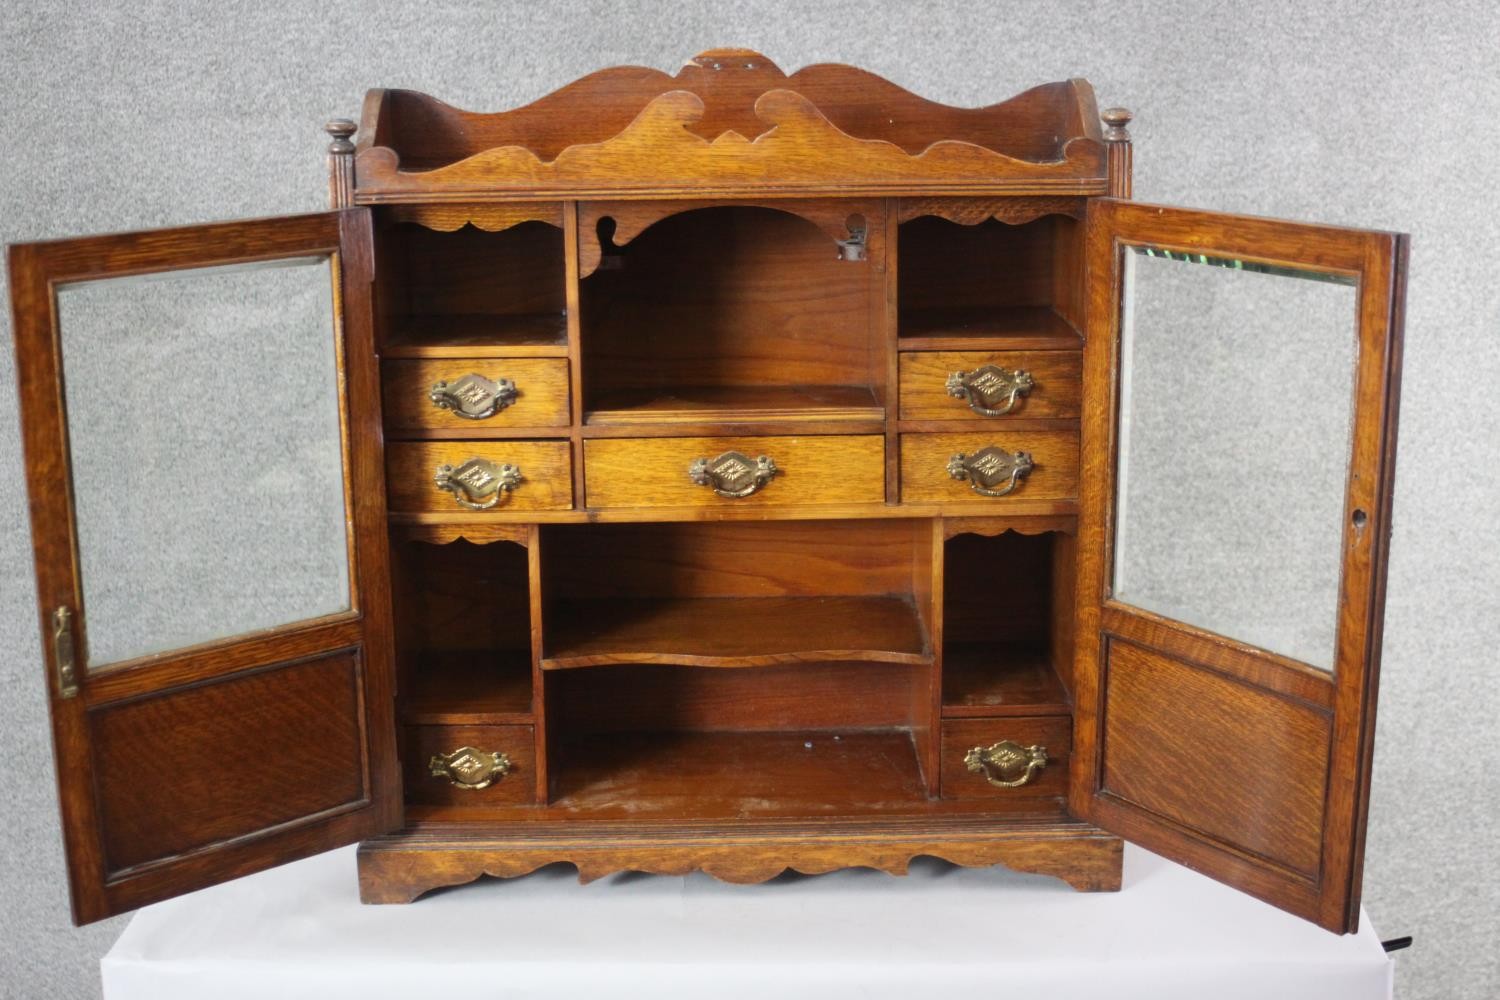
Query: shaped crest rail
{"type": "Point", "coordinates": [730, 124]}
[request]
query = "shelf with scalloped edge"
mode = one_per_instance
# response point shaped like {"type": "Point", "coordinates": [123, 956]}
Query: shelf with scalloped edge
{"type": "Point", "coordinates": [734, 631]}
{"type": "Point", "coordinates": [730, 121]}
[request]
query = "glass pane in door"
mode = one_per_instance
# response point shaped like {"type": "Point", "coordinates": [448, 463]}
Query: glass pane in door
{"type": "Point", "coordinates": [1235, 420]}
{"type": "Point", "coordinates": [204, 430]}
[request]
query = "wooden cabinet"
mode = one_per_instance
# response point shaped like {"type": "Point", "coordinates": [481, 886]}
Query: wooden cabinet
{"type": "Point", "coordinates": [727, 471]}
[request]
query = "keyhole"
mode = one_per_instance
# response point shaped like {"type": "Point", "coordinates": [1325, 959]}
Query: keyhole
{"type": "Point", "coordinates": [1359, 519]}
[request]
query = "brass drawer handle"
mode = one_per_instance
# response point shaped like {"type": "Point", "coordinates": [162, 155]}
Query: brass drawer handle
{"type": "Point", "coordinates": [1006, 764]}
{"type": "Point", "coordinates": [478, 484]}
{"type": "Point", "coordinates": [473, 397]}
{"type": "Point", "coordinates": [987, 469]}
{"type": "Point", "coordinates": [991, 391]}
{"type": "Point", "coordinates": [732, 474]}
{"type": "Point", "coordinates": [470, 767]}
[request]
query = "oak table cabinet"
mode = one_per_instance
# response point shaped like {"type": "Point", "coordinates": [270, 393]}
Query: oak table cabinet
{"type": "Point", "coordinates": [728, 471]}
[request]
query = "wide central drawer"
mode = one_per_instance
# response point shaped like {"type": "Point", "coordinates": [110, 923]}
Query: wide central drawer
{"type": "Point", "coordinates": [728, 471]}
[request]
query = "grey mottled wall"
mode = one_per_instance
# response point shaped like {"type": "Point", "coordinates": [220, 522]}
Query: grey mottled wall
{"type": "Point", "coordinates": [1359, 113]}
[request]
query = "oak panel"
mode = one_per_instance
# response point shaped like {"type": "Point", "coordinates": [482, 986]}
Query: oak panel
{"type": "Point", "coordinates": [924, 465]}
{"type": "Point", "coordinates": [1224, 759]}
{"type": "Point", "coordinates": [653, 472]}
{"type": "Point", "coordinates": [1055, 733]}
{"type": "Point", "coordinates": [228, 759]}
{"type": "Point", "coordinates": [423, 787]}
{"type": "Point", "coordinates": [924, 376]}
{"type": "Point", "coordinates": [768, 558]}
{"type": "Point", "coordinates": [547, 482]}
{"type": "Point", "coordinates": [541, 393]}
{"type": "Point", "coordinates": [798, 696]}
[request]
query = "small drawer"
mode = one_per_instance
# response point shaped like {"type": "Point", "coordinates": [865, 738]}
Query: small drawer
{"type": "Point", "coordinates": [978, 473]}
{"type": "Point", "coordinates": [475, 476]}
{"type": "Point", "coordinates": [1030, 384]}
{"type": "Point", "coordinates": [473, 395]}
{"type": "Point", "coordinates": [725, 471]}
{"type": "Point", "coordinates": [436, 774]}
{"type": "Point", "coordinates": [973, 763]}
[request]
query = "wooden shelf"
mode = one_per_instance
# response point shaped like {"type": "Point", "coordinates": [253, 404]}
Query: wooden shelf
{"type": "Point", "coordinates": [737, 774]}
{"type": "Point", "coordinates": [532, 335]}
{"type": "Point", "coordinates": [734, 631]}
{"type": "Point", "coordinates": [731, 404]}
{"type": "Point", "coordinates": [998, 679]}
{"type": "Point", "coordinates": [469, 688]}
{"type": "Point", "coordinates": [992, 328]}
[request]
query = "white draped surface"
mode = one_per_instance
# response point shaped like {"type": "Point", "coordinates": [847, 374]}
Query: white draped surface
{"type": "Point", "coordinates": [299, 931]}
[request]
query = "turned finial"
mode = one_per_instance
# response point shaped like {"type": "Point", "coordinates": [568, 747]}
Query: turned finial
{"type": "Point", "coordinates": [340, 163]}
{"type": "Point", "coordinates": [1116, 119]}
{"type": "Point", "coordinates": [340, 129]}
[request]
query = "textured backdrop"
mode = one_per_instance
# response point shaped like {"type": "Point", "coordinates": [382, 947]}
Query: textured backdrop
{"type": "Point", "coordinates": [151, 114]}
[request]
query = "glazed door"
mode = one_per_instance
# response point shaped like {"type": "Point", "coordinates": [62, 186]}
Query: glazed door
{"type": "Point", "coordinates": [202, 440]}
{"type": "Point", "coordinates": [1242, 377]}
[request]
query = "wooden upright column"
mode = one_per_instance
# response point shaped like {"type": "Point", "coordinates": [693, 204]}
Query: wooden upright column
{"type": "Point", "coordinates": [1118, 137]}
{"type": "Point", "coordinates": [340, 163]}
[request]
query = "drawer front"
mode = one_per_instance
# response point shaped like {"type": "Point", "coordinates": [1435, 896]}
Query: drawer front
{"type": "Point", "coordinates": [1055, 379]}
{"type": "Point", "coordinates": [540, 399]}
{"type": "Point", "coordinates": [1053, 733]}
{"type": "Point", "coordinates": [925, 459]}
{"type": "Point", "coordinates": [655, 472]}
{"type": "Point", "coordinates": [411, 470]}
{"type": "Point", "coordinates": [428, 748]}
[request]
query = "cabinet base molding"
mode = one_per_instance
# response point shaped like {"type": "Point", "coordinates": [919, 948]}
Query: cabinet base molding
{"type": "Point", "coordinates": [401, 867]}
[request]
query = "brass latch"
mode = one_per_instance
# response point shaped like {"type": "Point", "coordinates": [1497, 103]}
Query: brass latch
{"type": "Point", "coordinates": [63, 652]}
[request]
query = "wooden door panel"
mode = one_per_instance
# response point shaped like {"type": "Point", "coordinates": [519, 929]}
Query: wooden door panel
{"type": "Point", "coordinates": [185, 762]}
{"type": "Point", "coordinates": [235, 757]}
{"type": "Point", "coordinates": [1248, 764]}
{"type": "Point", "coordinates": [1230, 751]}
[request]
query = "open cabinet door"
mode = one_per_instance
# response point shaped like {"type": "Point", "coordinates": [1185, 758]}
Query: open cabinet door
{"type": "Point", "coordinates": [208, 514]}
{"type": "Point", "coordinates": [1236, 509]}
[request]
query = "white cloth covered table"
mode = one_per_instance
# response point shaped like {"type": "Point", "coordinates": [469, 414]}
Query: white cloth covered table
{"type": "Point", "coordinates": [300, 931]}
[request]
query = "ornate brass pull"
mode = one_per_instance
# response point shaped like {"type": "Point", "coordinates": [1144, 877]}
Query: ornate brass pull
{"type": "Point", "coordinates": [470, 767]}
{"type": "Point", "coordinates": [991, 391]}
{"type": "Point", "coordinates": [478, 484]}
{"type": "Point", "coordinates": [1006, 764]}
{"type": "Point", "coordinates": [732, 474]}
{"type": "Point", "coordinates": [987, 469]}
{"type": "Point", "coordinates": [473, 397]}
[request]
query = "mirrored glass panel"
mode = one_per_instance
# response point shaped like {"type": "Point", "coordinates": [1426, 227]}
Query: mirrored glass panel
{"type": "Point", "coordinates": [1236, 402]}
{"type": "Point", "coordinates": [203, 425]}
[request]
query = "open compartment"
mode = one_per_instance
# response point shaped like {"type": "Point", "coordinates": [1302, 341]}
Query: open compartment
{"type": "Point", "coordinates": [990, 285]}
{"type": "Point", "coordinates": [463, 632]}
{"type": "Point", "coordinates": [731, 312]}
{"type": "Point", "coordinates": [736, 594]}
{"type": "Point", "coordinates": [803, 739]}
{"type": "Point", "coordinates": [1007, 623]}
{"type": "Point", "coordinates": [471, 292]}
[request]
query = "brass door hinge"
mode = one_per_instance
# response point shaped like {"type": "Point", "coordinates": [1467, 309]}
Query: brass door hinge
{"type": "Point", "coordinates": [64, 652]}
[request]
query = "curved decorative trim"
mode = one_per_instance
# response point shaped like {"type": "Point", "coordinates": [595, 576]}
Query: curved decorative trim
{"type": "Point", "coordinates": [973, 211]}
{"type": "Point", "coordinates": [400, 868]}
{"type": "Point", "coordinates": [476, 533]}
{"type": "Point", "coordinates": [447, 218]}
{"type": "Point", "coordinates": [993, 526]}
{"type": "Point", "coordinates": [633, 218]}
{"type": "Point", "coordinates": [658, 153]}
